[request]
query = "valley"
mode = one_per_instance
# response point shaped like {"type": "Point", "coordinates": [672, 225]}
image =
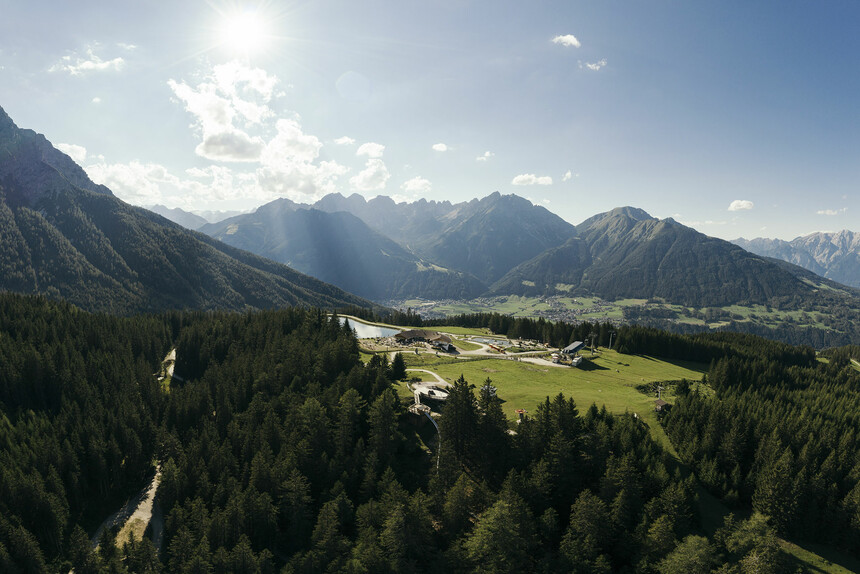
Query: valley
{"type": "Point", "coordinates": [680, 318]}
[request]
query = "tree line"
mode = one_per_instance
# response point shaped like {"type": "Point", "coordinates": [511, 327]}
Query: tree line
{"type": "Point", "coordinates": [282, 451]}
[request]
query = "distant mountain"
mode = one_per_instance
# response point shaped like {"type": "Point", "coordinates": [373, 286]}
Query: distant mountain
{"type": "Point", "coordinates": [835, 256]}
{"type": "Point", "coordinates": [180, 216]}
{"type": "Point", "coordinates": [626, 253]}
{"type": "Point", "coordinates": [214, 216]}
{"type": "Point", "coordinates": [63, 236]}
{"type": "Point", "coordinates": [341, 249]}
{"type": "Point", "coordinates": [485, 237]}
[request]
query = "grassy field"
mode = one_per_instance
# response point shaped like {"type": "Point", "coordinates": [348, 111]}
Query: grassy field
{"type": "Point", "coordinates": [565, 307]}
{"type": "Point", "coordinates": [608, 379]}
{"type": "Point", "coordinates": [464, 331]}
{"type": "Point", "coordinates": [466, 345]}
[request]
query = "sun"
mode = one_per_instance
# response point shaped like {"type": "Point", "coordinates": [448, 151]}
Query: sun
{"type": "Point", "coordinates": [244, 32]}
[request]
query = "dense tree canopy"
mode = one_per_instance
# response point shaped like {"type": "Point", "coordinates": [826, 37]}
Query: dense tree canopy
{"type": "Point", "coordinates": [281, 450]}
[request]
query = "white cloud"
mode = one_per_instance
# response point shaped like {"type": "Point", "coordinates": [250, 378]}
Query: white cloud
{"type": "Point", "coordinates": [232, 145]}
{"type": "Point", "coordinates": [370, 149]}
{"type": "Point", "coordinates": [487, 155]}
{"type": "Point", "coordinates": [372, 178]}
{"type": "Point", "coordinates": [593, 66]}
{"type": "Point", "coordinates": [233, 94]}
{"type": "Point", "coordinates": [568, 40]}
{"type": "Point", "coordinates": [135, 182]}
{"type": "Point", "coordinates": [127, 47]}
{"type": "Point", "coordinates": [345, 140]}
{"type": "Point", "coordinates": [97, 100]}
{"type": "Point", "coordinates": [740, 205]}
{"type": "Point", "coordinates": [237, 79]}
{"type": "Point", "coordinates": [416, 186]}
{"type": "Point", "coordinates": [291, 143]}
{"type": "Point", "coordinates": [76, 152]}
{"type": "Point", "coordinates": [288, 167]}
{"type": "Point", "coordinates": [76, 65]}
{"type": "Point", "coordinates": [440, 147]}
{"type": "Point", "coordinates": [531, 179]}
{"type": "Point", "coordinates": [831, 211]}
{"type": "Point", "coordinates": [568, 175]}
{"type": "Point", "coordinates": [545, 201]}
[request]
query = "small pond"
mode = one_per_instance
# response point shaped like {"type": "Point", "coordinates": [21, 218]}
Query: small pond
{"type": "Point", "coordinates": [365, 331]}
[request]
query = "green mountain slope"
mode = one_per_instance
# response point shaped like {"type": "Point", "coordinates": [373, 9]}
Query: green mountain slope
{"type": "Point", "coordinates": [65, 237]}
{"type": "Point", "coordinates": [341, 249]}
{"type": "Point", "coordinates": [632, 255]}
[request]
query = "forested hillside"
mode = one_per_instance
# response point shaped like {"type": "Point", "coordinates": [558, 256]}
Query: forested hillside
{"type": "Point", "coordinates": [281, 450]}
{"type": "Point", "coordinates": [63, 236]}
{"type": "Point", "coordinates": [80, 413]}
{"type": "Point", "coordinates": [781, 438]}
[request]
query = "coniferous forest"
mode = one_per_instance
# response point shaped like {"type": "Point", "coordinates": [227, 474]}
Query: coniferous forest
{"type": "Point", "coordinates": [282, 451]}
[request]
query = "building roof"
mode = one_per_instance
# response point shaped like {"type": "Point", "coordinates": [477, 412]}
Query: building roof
{"type": "Point", "coordinates": [573, 347]}
{"type": "Point", "coordinates": [660, 403]}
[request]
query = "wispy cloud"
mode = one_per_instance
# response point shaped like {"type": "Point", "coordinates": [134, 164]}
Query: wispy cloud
{"type": "Point", "coordinates": [831, 211]}
{"type": "Point", "coordinates": [76, 152]}
{"type": "Point", "coordinates": [568, 175]}
{"type": "Point", "coordinates": [440, 147]}
{"type": "Point", "coordinates": [345, 140]}
{"type": "Point", "coordinates": [487, 155]}
{"type": "Point", "coordinates": [76, 64]}
{"type": "Point", "coordinates": [740, 205]}
{"type": "Point", "coordinates": [97, 100]}
{"type": "Point", "coordinates": [416, 186]}
{"type": "Point", "coordinates": [531, 179]}
{"type": "Point", "coordinates": [370, 149]}
{"type": "Point", "coordinates": [567, 40]}
{"type": "Point", "coordinates": [593, 66]}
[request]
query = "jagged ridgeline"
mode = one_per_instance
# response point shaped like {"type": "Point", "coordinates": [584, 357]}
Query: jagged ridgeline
{"type": "Point", "coordinates": [63, 236]}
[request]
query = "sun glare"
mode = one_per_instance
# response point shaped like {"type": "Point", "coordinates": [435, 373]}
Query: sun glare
{"type": "Point", "coordinates": [244, 32]}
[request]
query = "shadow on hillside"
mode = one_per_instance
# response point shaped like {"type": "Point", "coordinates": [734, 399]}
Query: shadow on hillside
{"type": "Point", "coordinates": [587, 365]}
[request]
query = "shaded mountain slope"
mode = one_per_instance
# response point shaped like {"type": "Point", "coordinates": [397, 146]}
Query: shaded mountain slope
{"type": "Point", "coordinates": [631, 254]}
{"type": "Point", "coordinates": [66, 237]}
{"type": "Point", "coordinates": [484, 237]}
{"type": "Point", "coordinates": [180, 216]}
{"type": "Point", "coordinates": [341, 249]}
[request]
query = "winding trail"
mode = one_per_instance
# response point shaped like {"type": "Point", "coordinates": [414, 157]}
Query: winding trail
{"type": "Point", "coordinates": [135, 516]}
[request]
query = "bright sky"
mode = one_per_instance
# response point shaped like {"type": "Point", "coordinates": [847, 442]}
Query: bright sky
{"type": "Point", "coordinates": [738, 118]}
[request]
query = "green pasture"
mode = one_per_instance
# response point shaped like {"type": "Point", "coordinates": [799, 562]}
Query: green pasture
{"type": "Point", "coordinates": [464, 331]}
{"type": "Point", "coordinates": [607, 379]}
{"type": "Point", "coordinates": [466, 345]}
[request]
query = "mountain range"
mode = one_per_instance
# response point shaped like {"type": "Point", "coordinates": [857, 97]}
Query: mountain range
{"type": "Point", "coordinates": [341, 249]}
{"type": "Point", "coordinates": [63, 236]}
{"type": "Point", "coordinates": [504, 245]}
{"type": "Point", "coordinates": [835, 255]}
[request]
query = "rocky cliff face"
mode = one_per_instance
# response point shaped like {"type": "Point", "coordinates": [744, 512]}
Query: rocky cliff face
{"type": "Point", "coordinates": [834, 255]}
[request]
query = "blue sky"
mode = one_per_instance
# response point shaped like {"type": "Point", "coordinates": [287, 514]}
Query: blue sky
{"type": "Point", "coordinates": [737, 118]}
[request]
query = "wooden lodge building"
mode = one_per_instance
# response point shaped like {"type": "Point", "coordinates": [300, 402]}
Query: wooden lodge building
{"type": "Point", "coordinates": [438, 340]}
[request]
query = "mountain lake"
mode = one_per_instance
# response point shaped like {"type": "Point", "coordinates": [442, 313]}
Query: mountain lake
{"type": "Point", "coordinates": [367, 331]}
